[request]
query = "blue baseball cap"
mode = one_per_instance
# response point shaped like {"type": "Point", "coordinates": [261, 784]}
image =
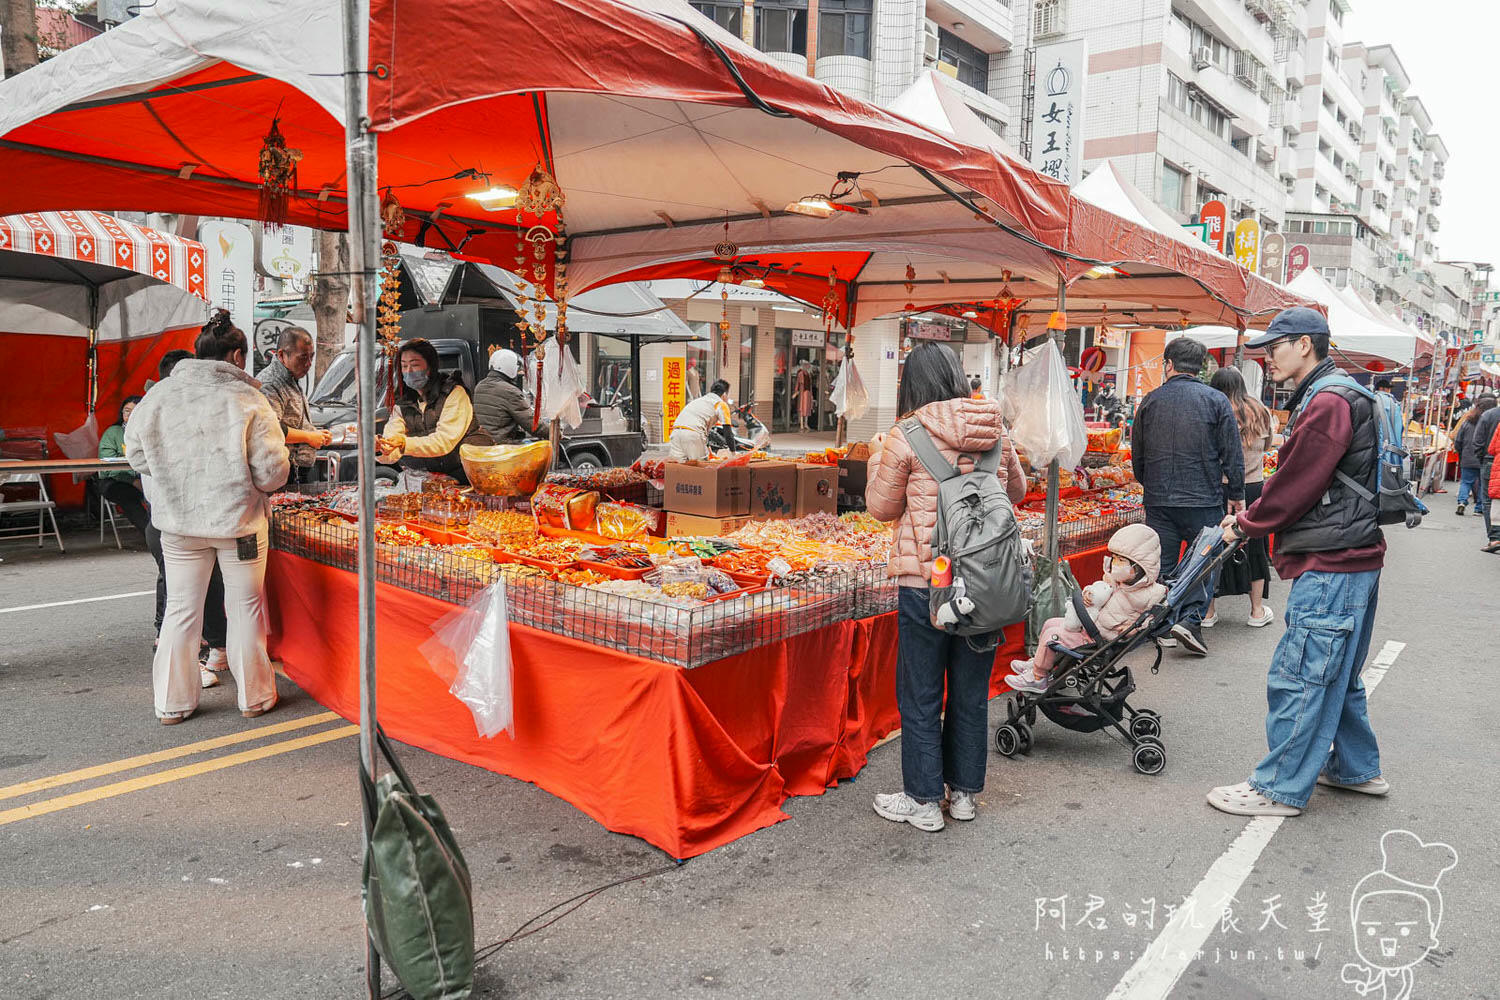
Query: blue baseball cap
{"type": "Point", "coordinates": [1299, 321]}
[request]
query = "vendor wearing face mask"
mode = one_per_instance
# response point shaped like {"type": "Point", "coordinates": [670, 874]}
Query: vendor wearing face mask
{"type": "Point", "coordinates": [432, 416]}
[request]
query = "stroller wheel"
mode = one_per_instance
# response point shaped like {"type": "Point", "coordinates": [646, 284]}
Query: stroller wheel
{"type": "Point", "coordinates": [1007, 740]}
{"type": "Point", "coordinates": [1150, 757]}
{"type": "Point", "coordinates": [1145, 725]}
{"type": "Point", "coordinates": [1024, 731]}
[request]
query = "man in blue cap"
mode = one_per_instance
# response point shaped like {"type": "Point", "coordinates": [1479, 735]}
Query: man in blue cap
{"type": "Point", "coordinates": [1330, 545]}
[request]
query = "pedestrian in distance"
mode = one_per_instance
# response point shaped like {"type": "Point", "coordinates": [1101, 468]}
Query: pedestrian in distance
{"type": "Point", "coordinates": [212, 449]}
{"type": "Point", "coordinates": [1329, 543]}
{"type": "Point", "coordinates": [1249, 572]}
{"type": "Point", "coordinates": [1185, 451]}
{"type": "Point", "coordinates": [500, 403]}
{"type": "Point", "coordinates": [939, 744]}
{"type": "Point", "coordinates": [1491, 474]}
{"type": "Point", "coordinates": [281, 381]}
{"type": "Point", "coordinates": [1484, 432]}
{"type": "Point", "coordinates": [1469, 459]}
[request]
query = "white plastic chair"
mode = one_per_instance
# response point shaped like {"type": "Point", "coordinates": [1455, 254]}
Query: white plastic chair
{"type": "Point", "coordinates": [43, 507]}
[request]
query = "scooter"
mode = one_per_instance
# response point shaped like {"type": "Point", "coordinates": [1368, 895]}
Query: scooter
{"type": "Point", "coordinates": [756, 435]}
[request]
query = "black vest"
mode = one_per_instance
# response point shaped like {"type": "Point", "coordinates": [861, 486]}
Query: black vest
{"type": "Point", "coordinates": [1343, 519]}
{"type": "Point", "coordinates": [420, 423]}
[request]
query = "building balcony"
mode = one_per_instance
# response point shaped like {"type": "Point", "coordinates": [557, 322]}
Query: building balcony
{"type": "Point", "coordinates": [989, 24]}
{"type": "Point", "coordinates": [853, 75]}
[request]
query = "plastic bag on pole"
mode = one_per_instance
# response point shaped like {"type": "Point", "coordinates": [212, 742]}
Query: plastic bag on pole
{"type": "Point", "coordinates": [476, 638]}
{"type": "Point", "coordinates": [849, 398]}
{"type": "Point", "coordinates": [1044, 413]}
{"type": "Point", "coordinates": [561, 386]}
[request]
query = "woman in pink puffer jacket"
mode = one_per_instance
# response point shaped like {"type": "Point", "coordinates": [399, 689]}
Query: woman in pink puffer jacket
{"type": "Point", "coordinates": [935, 749]}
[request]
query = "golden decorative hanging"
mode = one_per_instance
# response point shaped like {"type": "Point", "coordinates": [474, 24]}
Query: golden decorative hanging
{"type": "Point", "coordinates": [724, 328]}
{"type": "Point", "coordinates": [388, 312]}
{"type": "Point", "coordinates": [392, 216]}
{"type": "Point", "coordinates": [830, 303]}
{"type": "Point", "coordinates": [911, 286]}
{"type": "Point", "coordinates": [539, 196]}
{"type": "Point", "coordinates": [278, 176]}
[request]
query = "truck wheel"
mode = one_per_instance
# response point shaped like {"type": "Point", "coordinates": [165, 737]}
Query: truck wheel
{"type": "Point", "coordinates": [588, 461]}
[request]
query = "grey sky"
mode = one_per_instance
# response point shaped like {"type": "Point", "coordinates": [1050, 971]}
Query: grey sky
{"type": "Point", "coordinates": [1447, 46]}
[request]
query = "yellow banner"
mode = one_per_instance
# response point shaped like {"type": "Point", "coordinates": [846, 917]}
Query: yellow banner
{"type": "Point", "coordinates": [673, 391]}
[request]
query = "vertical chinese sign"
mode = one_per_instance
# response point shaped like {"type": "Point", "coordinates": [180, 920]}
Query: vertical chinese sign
{"type": "Point", "coordinates": [1247, 245]}
{"type": "Point", "coordinates": [1297, 259]}
{"type": "Point", "coordinates": [1272, 256]}
{"type": "Point", "coordinates": [673, 391]}
{"type": "Point", "coordinates": [1213, 215]}
{"type": "Point", "coordinates": [231, 270]}
{"type": "Point", "coordinates": [1057, 132]}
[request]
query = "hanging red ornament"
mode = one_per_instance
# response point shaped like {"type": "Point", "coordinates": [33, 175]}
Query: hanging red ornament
{"type": "Point", "coordinates": [277, 168]}
{"type": "Point", "coordinates": [911, 285]}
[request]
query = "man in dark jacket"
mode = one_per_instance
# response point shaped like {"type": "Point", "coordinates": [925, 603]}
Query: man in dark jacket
{"type": "Point", "coordinates": [1479, 447]}
{"type": "Point", "coordinates": [1185, 450]}
{"type": "Point", "coordinates": [1329, 544]}
{"type": "Point", "coordinates": [499, 404]}
{"type": "Point", "coordinates": [1469, 460]}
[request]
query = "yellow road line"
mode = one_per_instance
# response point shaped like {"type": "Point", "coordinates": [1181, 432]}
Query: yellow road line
{"type": "Point", "coordinates": [172, 753]}
{"type": "Point", "coordinates": [72, 799]}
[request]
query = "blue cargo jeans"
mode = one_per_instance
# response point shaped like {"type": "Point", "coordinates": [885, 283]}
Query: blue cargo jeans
{"type": "Point", "coordinates": [938, 748]}
{"type": "Point", "coordinates": [1314, 694]}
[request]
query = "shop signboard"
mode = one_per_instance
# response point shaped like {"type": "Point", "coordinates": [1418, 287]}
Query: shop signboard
{"type": "Point", "coordinates": [1297, 260]}
{"type": "Point", "coordinates": [673, 390]}
{"type": "Point", "coordinates": [919, 330]}
{"type": "Point", "coordinates": [286, 252]}
{"type": "Point", "coordinates": [1057, 134]}
{"type": "Point", "coordinates": [1215, 216]}
{"type": "Point", "coordinates": [1199, 230]}
{"type": "Point", "coordinates": [231, 270]}
{"type": "Point", "coordinates": [807, 338]}
{"type": "Point", "coordinates": [1247, 245]}
{"type": "Point", "coordinates": [1110, 337]}
{"type": "Point", "coordinates": [1272, 256]}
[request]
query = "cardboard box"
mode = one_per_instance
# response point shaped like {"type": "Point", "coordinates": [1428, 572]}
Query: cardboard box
{"type": "Point", "coordinates": [854, 476]}
{"type": "Point", "coordinates": [680, 525]}
{"type": "Point", "coordinates": [817, 489]}
{"type": "Point", "coordinates": [707, 489]}
{"type": "Point", "coordinates": [773, 490]}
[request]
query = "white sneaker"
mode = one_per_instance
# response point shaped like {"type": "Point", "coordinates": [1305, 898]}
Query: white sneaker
{"type": "Point", "coordinates": [898, 807]}
{"type": "Point", "coordinates": [1375, 786]}
{"type": "Point", "coordinates": [217, 660]}
{"type": "Point", "coordinates": [960, 805]}
{"type": "Point", "coordinates": [1210, 621]}
{"type": "Point", "coordinates": [208, 677]}
{"type": "Point", "coordinates": [1028, 682]}
{"type": "Point", "coordinates": [1265, 619]}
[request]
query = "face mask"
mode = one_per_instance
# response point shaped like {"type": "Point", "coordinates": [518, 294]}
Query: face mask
{"type": "Point", "coordinates": [415, 381]}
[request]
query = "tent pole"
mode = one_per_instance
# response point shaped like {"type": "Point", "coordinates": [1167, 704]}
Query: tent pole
{"type": "Point", "coordinates": [635, 382]}
{"type": "Point", "coordinates": [364, 254]}
{"type": "Point", "coordinates": [93, 362]}
{"type": "Point", "coordinates": [1054, 478]}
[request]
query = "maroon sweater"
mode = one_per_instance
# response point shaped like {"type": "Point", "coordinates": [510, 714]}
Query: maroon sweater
{"type": "Point", "coordinates": [1304, 471]}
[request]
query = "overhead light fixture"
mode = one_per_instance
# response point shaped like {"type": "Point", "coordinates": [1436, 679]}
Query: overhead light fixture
{"type": "Point", "coordinates": [959, 26]}
{"type": "Point", "coordinates": [1102, 271]}
{"type": "Point", "coordinates": [754, 282]}
{"type": "Point", "coordinates": [970, 314]}
{"type": "Point", "coordinates": [820, 206]}
{"type": "Point", "coordinates": [495, 198]}
{"type": "Point", "coordinates": [787, 309]}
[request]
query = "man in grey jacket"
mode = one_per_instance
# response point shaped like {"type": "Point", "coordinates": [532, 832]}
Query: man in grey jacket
{"type": "Point", "coordinates": [281, 381]}
{"type": "Point", "coordinates": [211, 448]}
{"type": "Point", "coordinates": [1186, 454]}
{"type": "Point", "coordinates": [500, 406]}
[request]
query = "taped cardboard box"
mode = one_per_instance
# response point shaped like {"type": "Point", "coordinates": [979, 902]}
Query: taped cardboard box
{"type": "Point", "coordinates": [708, 489]}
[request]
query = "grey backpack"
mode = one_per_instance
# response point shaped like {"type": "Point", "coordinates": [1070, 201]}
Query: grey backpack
{"type": "Point", "coordinates": [977, 530]}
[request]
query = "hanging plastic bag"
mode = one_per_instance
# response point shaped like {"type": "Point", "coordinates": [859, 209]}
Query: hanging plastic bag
{"type": "Point", "coordinates": [1045, 414]}
{"type": "Point", "coordinates": [849, 398]}
{"type": "Point", "coordinates": [561, 386]}
{"type": "Point", "coordinates": [81, 441]}
{"type": "Point", "coordinates": [477, 639]}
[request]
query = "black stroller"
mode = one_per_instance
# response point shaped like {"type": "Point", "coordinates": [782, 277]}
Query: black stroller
{"type": "Point", "coordinates": [1088, 687]}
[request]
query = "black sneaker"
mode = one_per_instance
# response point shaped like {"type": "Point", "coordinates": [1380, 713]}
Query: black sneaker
{"type": "Point", "coordinates": [1462, 510]}
{"type": "Point", "coordinates": [1191, 637]}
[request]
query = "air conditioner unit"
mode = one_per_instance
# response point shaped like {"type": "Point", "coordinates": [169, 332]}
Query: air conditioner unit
{"type": "Point", "coordinates": [1351, 172]}
{"type": "Point", "coordinates": [929, 43]}
{"type": "Point", "coordinates": [1203, 57]}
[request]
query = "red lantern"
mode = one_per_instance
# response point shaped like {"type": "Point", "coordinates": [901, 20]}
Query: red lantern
{"type": "Point", "coordinates": [1377, 366]}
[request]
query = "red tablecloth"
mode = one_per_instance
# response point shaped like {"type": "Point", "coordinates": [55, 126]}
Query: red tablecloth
{"type": "Point", "coordinates": [685, 759]}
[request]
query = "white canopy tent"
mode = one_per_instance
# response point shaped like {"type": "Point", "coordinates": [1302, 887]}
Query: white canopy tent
{"type": "Point", "coordinates": [1107, 188]}
{"type": "Point", "coordinates": [1356, 334]}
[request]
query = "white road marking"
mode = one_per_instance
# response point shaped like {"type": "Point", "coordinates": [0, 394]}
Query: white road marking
{"type": "Point", "coordinates": [81, 600]}
{"type": "Point", "coordinates": [1156, 972]}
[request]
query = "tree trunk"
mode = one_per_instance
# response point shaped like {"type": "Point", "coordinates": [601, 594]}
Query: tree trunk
{"type": "Point", "coordinates": [330, 298]}
{"type": "Point", "coordinates": [18, 49]}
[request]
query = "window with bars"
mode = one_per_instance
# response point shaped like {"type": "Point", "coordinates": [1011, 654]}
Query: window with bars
{"type": "Point", "coordinates": [727, 14]}
{"type": "Point", "coordinates": [781, 26]}
{"type": "Point", "coordinates": [1047, 18]}
{"type": "Point", "coordinates": [971, 63]}
{"type": "Point", "coordinates": [844, 27]}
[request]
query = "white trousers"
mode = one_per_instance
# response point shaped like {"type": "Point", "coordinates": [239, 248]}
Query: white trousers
{"type": "Point", "coordinates": [189, 562]}
{"type": "Point", "coordinates": [688, 445]}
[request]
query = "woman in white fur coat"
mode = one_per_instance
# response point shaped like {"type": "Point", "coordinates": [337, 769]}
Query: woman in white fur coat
{"type": "Point", "coordinates": [210, 449]}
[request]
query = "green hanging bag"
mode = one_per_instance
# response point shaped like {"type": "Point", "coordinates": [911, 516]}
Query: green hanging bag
{"type": "Point", "coordinates": [419, 903]}
{"type": "Point", "coordinates": [1050, 596]}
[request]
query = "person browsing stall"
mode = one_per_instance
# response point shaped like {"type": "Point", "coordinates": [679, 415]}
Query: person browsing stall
{"type": "Point", "coordinates": [1330, 545]}
{"type": "Point", "coordinates": [689, 439]}
{"type": "Point", "coordinates": [500, 403]}
{"type": "Point", "coordinates": [281, 381]}
{"type": "Point", "coordinates": [123, 487]}
{"type": "Point", "coordinates": [943, 740]}
{"type": "Point", "coordinates": [432, 417]}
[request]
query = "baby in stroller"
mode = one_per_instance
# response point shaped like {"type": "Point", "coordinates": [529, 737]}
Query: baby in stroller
{"type": "Point", "coordinates": [1129, 587]}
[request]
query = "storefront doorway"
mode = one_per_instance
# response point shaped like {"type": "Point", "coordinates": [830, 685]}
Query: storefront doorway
{"type": "Point", "coordinates": [806, 365]}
